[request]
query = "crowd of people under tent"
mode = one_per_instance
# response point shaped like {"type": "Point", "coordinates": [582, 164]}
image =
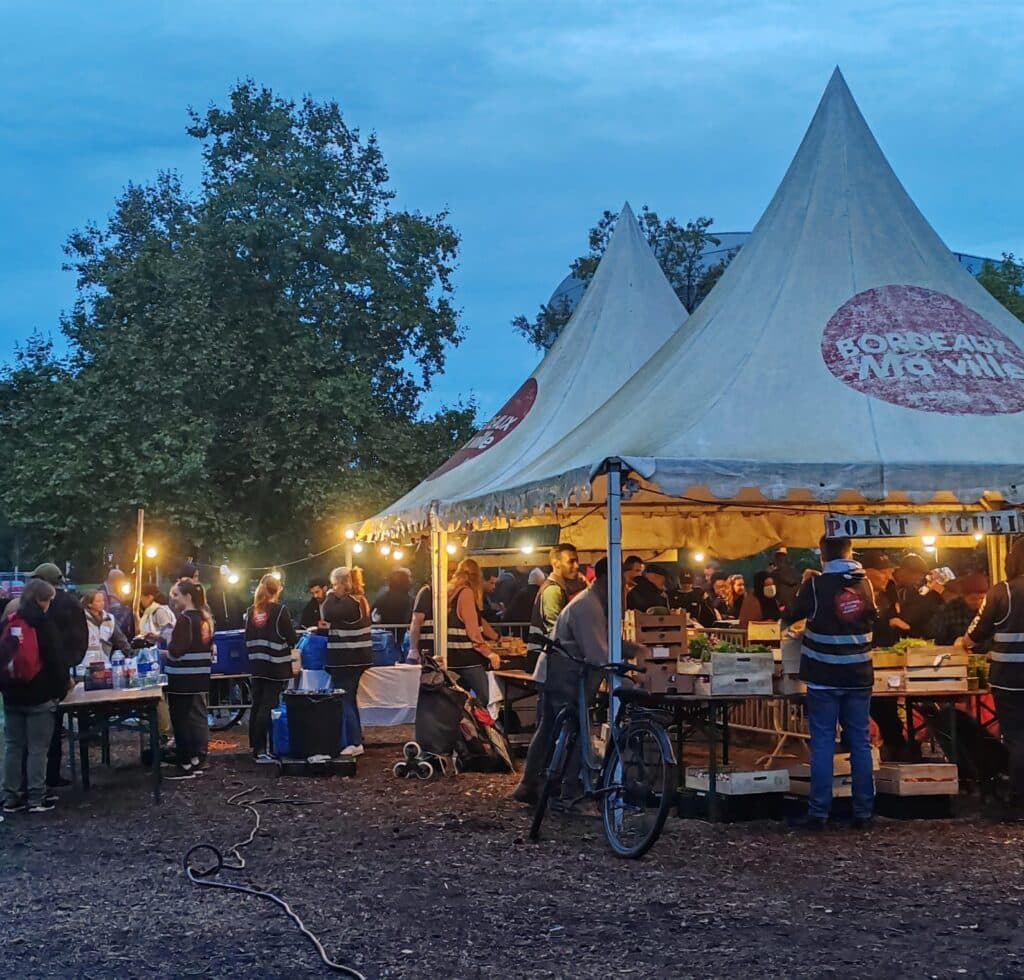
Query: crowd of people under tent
{"type": "Point", "coordinates": [898, 598]}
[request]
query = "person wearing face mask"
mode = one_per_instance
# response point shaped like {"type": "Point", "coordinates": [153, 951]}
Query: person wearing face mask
{"type": "Point", "coordinates": [761, 605]}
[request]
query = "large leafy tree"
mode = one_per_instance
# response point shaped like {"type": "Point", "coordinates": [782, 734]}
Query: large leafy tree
{"type": "Point", "coordinates": [679, 249]}
{"type": "Point", "coordinates": [247, 361]}
{"type": "Point", "coordinates": [1005, 281]}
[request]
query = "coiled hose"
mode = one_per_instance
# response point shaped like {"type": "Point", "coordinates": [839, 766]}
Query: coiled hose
{"type": "Point", "coordinates": [204, 876]}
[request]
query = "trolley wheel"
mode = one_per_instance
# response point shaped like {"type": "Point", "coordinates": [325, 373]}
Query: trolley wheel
{"type": "Point", "coordinates": [225, 714]}
{"type": "Point", "coordinates": [412, 750]}
{"type": "Point", "coordinates": [424, 770]}
{"type": "Point", "coordinates": [401, 770]}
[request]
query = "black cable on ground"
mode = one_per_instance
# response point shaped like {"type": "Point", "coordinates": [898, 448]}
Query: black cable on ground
{"type": "Point", "coordinates": [201, 877]}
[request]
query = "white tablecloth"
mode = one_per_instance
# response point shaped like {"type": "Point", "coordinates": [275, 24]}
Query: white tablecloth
{"type": "Point", "coordinates": [387, 695]}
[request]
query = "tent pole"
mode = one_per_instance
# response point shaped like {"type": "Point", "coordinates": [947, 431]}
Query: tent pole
{"type": "Point", "coordinates": [439, 590]}
{"type": "Point", "coordinates": [614, 494]}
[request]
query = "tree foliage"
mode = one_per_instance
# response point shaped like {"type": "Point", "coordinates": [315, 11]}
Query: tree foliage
{"type": "Point", "coordinates": [247, 361]}
{"type": "Point", "coordinates": [679, 249]}
{"type": "Point", "coordinates": [1005, 281]}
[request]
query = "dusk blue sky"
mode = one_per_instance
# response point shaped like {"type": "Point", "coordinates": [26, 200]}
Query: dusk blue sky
{"type": "Point", "coordinates": [524, 119]}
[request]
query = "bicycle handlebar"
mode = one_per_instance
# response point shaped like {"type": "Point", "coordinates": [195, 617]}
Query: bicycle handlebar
{"type": "Point", "coordinates": [553, 646]}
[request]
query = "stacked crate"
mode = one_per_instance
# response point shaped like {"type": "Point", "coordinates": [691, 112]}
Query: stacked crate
{"type": "Point", "coordinates": [664, 636]}
{"type": "Point", "coordinates": [934, 670]}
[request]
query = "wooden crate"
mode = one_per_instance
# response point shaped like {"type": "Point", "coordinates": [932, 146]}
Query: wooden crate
{"type": "Point", "coordinates": [740, 674]}
{"type": "Point", "coordinates": [841, 786]}
{"type": "Point", "coordinates": [917, 779]}
{"type": "Point", "coordinates": [840, 765]}
{"type": "Point", "coordinates": [918, 657]}
{"type": "Point", "coordinates": [883, 683]}
{"type": "Point", "coordinates": [655, 631]}
{"type": "Point", "coordinates": [663, 677]}
{"type": "Point", "coordinates": [886, 660]}
{"type": "Point", "coordinates": [764, 632]}
{"type": "Point", "coordinates": [788, 685]}
{"type": "Point", "coordinates": [940, 685]}
{"type": "Point", "coordinates": [730, 782]}
{"type": "Point", "coordinates": [792, 647]}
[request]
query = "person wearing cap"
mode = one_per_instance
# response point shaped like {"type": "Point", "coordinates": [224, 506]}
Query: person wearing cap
{"type": "Point", "coordinates": [649, 590]}
{"type": "Point", "coordinates": [785, 575]}
{"type": "Point", "coordinates": [915, 609]}
{"type": "Point", "coordinates": [693, 601]}
{"type": "Point", "coordinates": [73, 640]}
{"type": "Point", "coordinates": [999, 626]}
{"type": "Point", "coordinates": [189, 572]}
{"type": "Point", "coordinates": [962, 597]}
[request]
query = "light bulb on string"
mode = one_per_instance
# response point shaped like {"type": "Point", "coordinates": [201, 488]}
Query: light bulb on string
{"type": "Point", "coordinates": [349, 534]}
{"type": "Point", "coordinates": [233, 578]}
{"type": "Point", "coordinates": [979, 536]}
{"type": "Point", "coordinates": [398, 554]}
{"type": "Point", "coordinates": [126, 588]}
{"type": "Point", "coordinates": [451, 548]}
{"type": "Point", "coordinates": [385, 550]}
{"type": "Point", "coordinates": [527, 549]}
{"type": "Point", "coordinates": [357, 548]}
{"type": "Point", "coordinates": [151, 551]}
{"type": "Point", "coordinates": [698, 556]}
{"type": "Point", "coordinates": [928, 540]}
{"type": "Point", "coordinates": [276, 574]}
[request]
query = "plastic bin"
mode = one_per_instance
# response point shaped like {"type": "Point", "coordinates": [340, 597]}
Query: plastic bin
{"type": "Point", "coordinates": [230, 655]}
{"type": "Point", "coordinates": [385, 649]}
{"type": "Point", "coordinates": [313, 650]}
{"type": "Point", "coordinates": [279, 730]}
{"type": "Point", "coordinates": [314, 722]}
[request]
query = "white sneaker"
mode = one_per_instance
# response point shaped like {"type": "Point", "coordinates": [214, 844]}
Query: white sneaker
{"type": "Point", "coordinates": [353, 750]}
{"type": "Point", "coordinates": [265, 759]}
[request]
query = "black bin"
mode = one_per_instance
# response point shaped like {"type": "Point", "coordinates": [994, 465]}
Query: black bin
{"type": "Point", "coordinates": [314, 723]}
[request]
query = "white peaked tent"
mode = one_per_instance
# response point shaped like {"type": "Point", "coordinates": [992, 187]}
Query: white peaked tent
{"type": "Point", "coordinates": [627, 312]}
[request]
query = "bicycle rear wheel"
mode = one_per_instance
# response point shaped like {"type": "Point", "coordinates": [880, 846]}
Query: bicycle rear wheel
{"type": "Point", "coordinates": [555, 773]}
{"type": "Point", "coordinates": [637, 789]}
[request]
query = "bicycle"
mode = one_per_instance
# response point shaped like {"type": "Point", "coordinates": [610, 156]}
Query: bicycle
{"type": "Point", "coordinates": [633, 781]}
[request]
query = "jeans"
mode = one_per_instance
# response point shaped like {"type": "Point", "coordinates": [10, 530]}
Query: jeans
{"type": "Point", "coordinates": [1010, 712]}
{"type": "Point", "coordinates": [191, 725]}
{"type": "Point", "coordinates": [348, 678]}
{"type": "Point", "coordinates": [27, 733]}
{"type": "Point", "coordinates": [476, 680]}
{"type": "Point", "coordinates": [850, 708]}
{"type": "Point", "coordinates": [266, 693]}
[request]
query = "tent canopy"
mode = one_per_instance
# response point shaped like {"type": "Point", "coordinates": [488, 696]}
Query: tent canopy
{"type": "Point", "coordinates": [627, 312]}
{"type": "Point", "coordinates": [844, 357]}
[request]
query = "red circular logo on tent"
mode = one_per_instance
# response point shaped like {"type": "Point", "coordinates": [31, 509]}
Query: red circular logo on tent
{"type": "Point", "coordinates": [849, 605]}
{"type": "Point", "coordinates": [922, 349]}
{"type": "Point", "coordinates": [506, 421]}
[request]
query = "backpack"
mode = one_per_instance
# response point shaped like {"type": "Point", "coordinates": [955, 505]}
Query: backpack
{"type": "Point", "coordinates": [19, 652]}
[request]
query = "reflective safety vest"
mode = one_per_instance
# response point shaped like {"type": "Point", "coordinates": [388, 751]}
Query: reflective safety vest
{"type": "Point", "coordinates": [188, 671]}
{"type": "Point", "coordinates": [1001, 621]}
{"type": "Point", "coordinates": [270, 652]}
{"type": "Point", "coordinates": [836, 649]}
{"type": "Point", "coordinates": [461, 652]}
{"type": "Point", "coordinates": [349, 641]}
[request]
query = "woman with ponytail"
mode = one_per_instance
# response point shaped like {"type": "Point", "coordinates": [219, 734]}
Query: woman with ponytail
{"type": "Point", "coordinates": [269, 638]}
{"type": "Point", "coordinates": [189, 658]}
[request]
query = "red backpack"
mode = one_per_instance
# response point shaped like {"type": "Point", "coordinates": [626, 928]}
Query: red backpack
{"type": "Point", "coordinates": [19, 652]}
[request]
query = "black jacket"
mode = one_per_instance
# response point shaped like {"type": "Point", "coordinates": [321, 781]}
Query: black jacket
{"type": "Point", "coordinates": [1000, 622]}
{"type": "Point", "coordinates": [72, 630]}
{"type": "Point", "coordinates": [645, 595]}
{"type": "Point", "coordinates": [310, 615]}
{"type": "Point", "coordinates": [916, 609]}
{"type": "Point", "coordinates": [520, 609]}
{"type": "Point", "coordinates": [696, 603]}
{"type": "Point", "coordinates": [51, 683]}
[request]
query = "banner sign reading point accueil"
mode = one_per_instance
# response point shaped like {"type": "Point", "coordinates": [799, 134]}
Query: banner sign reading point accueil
{"type": "Point", "coordinates": [919, 525]}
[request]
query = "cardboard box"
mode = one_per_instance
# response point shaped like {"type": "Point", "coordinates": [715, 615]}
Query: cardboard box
{"type": "Point", "coordinates": [764, 632]}
{"type": "Point", "coordinates": [918, 779]}
{"type": "Point", "coordinates": [729, 782]}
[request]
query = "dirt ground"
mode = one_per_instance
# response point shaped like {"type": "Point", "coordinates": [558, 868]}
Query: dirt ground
{"type": "Point", "coordinates": [410, 879]}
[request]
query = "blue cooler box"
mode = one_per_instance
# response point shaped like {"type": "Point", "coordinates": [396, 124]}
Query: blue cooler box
{"type": "Point", "coordinates": [230, 653]}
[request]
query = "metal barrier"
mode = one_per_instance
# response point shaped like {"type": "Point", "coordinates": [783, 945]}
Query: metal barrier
{"type": "Point", "coordinates": [397, 630]}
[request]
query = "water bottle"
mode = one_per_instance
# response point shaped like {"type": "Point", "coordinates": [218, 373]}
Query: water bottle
{"type": "Point", "coordinates": [131, 672]}
{"type": "Point", "coordinates": [147, 668]}
{"type": "Point", "coordinates": [117, 670]}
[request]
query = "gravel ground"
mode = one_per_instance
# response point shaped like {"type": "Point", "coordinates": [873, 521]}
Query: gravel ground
{"type": "Point", "coordinates": [410, 879]}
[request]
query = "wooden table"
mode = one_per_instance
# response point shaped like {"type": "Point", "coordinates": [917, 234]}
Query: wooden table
{"type": "Point", "coordinates": [516, 685]}
{"type": "Point", "coordinates": [92, 711]}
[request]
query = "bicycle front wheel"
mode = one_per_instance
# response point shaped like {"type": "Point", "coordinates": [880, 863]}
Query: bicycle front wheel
{"type": "Point", "coordinates": [637, 790]}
